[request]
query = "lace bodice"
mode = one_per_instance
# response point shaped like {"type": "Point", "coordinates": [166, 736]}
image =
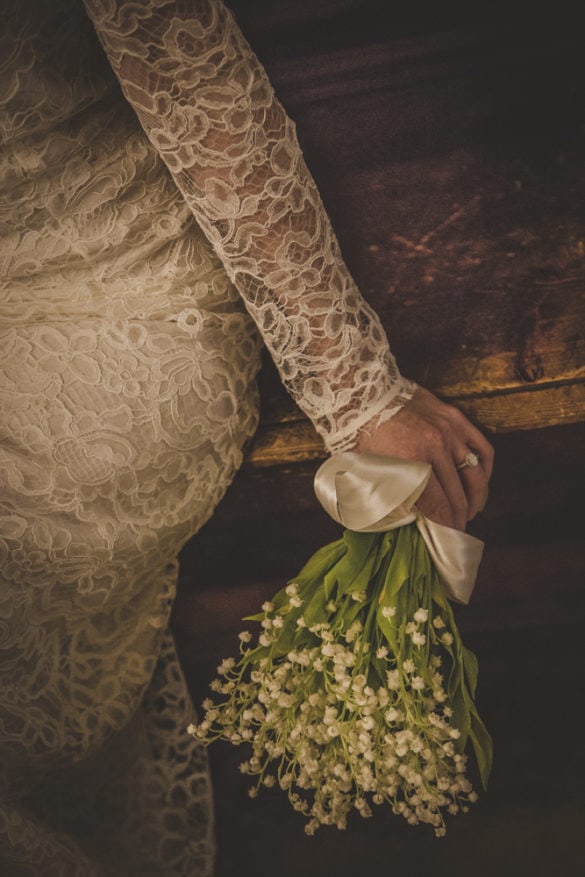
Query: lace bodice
{"type": "Point", "coordinates": [207, 107]}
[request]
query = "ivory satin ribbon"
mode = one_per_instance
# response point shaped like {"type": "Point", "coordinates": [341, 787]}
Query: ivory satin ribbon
{"type": "Point", "coordinates": [372, 493]}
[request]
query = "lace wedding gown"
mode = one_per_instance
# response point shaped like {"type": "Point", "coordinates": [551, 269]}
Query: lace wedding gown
{"type": "Point", "coordinates": [146, 234]}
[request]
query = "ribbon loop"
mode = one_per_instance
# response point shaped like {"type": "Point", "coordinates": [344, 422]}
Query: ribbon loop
{"type": "Point", "coordinates": [372, 493]}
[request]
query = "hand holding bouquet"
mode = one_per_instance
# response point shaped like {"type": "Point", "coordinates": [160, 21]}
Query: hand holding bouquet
{"type": "Point", "coordinates": [358, 689]}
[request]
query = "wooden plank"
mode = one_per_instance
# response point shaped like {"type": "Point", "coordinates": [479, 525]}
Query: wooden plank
{"type": "Point", "coordinates": [529, 408]}
{"type": "Point", "coordinates": [284, 444]}
{"type": "Point", "coordinates": [291, 442]}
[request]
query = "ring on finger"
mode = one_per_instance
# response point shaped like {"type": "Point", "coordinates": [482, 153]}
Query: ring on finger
{"type": "Point", "coordinates": [471, 461]}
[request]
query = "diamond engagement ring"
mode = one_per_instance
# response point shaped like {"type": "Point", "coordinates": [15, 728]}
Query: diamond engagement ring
{"type": "Point", "coordinates": [471, 460]}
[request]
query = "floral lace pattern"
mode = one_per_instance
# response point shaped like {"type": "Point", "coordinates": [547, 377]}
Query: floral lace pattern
{"type": "Point", "coordinates": [114, 452]}
{"type": "Point", "coordinates": [207, 107]}
{"type": "Point", "coordinates": [134, 270]}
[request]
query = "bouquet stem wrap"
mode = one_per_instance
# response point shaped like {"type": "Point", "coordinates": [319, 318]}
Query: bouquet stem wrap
{"type": "Point", "coordinates": [359, 690]}
{"type": "Point", "coordinates": [374, 493]}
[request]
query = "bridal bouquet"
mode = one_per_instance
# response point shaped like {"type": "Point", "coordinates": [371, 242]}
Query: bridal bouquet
{"type": "Point", "coordinates": [358, 689]}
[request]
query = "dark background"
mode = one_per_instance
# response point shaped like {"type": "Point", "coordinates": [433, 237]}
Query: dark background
{"type": "Point", "coordinates": [457, 129]}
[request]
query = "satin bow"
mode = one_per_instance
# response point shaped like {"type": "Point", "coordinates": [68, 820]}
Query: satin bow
{"type": "Point", "coordinates": [371, 493]}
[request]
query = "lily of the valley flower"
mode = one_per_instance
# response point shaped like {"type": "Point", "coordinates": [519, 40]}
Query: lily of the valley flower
{"type": "Point", "coordinates": [358, 690]}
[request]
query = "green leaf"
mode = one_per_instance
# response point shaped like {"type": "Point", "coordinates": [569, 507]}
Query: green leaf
{"type": "Point", "coordinates": [260, 616]}
{"type": "Point", "coordinates": [461, 717]}
{"type": "Point", "coordinates": [386, 626]}
{"type": "Point", "coordinates": [483, 747]}
{"type": "Point", "coordinates": [397, 565]}
{"type": "Point", "coordinates": [286, 640]}
{"type": "Point", "coordinates": [321, 560]}
{"type": "Point", "coordinates": [355, 569]}
{"type": "Point", "coordinates": [471, 668]}
{"type": "Point", "coordinates": [315, 612]}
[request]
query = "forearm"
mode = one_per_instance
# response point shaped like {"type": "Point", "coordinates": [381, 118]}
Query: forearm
{"type": "Point", "coordinates": [207, 106]}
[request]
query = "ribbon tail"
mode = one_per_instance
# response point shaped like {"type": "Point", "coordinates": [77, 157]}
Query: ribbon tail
{"type": "Point", "coordinates": [456, 555]}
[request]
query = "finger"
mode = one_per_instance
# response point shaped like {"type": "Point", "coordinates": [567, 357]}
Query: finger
{"type": "Point", "coordinates": [434, 504]}
{"type": "Point", "coordinates": [476, 440]}
{"type": "Point", "coordinates": [474, 481]}
{"type": "Point", "coordinates": [448, 478]}
{"type": "Point", "coordinates": [476, 490]}
{"type": "Point", "coordinates": [465, 431]}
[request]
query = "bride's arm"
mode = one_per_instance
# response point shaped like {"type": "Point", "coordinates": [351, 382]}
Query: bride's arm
{"type": "Point", "coordinates": [208, 108]}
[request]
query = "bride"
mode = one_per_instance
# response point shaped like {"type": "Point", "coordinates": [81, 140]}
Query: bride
{"type": "Point", "coordinates": [157, 224]}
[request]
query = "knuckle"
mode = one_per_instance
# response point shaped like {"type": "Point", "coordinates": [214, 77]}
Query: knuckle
{"type": "Point", "coordinates": [437, 437]}
{"type": "Point", "coordinates": [454, 413]}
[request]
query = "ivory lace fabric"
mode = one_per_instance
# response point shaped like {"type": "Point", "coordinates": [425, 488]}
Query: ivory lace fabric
{"type": "Point", "coordinates": [146, 233]}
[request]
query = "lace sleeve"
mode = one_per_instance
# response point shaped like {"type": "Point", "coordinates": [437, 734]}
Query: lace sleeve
{"type": "Point", "coordinates": [206, 105]}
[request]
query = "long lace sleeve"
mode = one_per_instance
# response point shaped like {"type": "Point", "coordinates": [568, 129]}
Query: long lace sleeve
{"type": "Point", "coordinates": [206, 105]}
